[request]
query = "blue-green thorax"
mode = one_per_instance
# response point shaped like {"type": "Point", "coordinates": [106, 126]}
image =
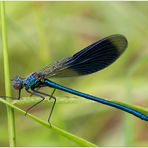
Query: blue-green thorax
{"type": "Point", "coordinates": [31, 80]}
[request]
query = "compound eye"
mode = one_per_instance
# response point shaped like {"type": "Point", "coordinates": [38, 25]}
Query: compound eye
{"type": "Point", "coordinates": [17, 83]}
{"type": "Point", "coordinates": [17, 86]}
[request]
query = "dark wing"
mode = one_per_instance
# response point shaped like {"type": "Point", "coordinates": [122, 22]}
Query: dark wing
{"type": "Point", "coordinates": [91, 59]}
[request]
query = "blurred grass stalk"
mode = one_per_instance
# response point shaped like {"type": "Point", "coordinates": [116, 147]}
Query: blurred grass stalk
{"type": "Point", "coordinates": [10, 111]}
{"type": "Point", "coordinates": [129, 124]}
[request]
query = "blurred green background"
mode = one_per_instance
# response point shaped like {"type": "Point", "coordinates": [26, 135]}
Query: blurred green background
{"type": "Point", "coordinates": [43, 32]}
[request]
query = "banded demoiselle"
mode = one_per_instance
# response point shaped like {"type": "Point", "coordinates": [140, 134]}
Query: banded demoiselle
{"type": "Point", "coordinates": [93, 58]}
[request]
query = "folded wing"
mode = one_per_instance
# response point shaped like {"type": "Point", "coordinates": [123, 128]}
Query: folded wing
{"type": "Point", "coordinates": [91, 59]}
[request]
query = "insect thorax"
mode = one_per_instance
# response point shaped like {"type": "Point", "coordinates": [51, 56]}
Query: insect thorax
{"type": "Point", "coordinates": [32, 80]}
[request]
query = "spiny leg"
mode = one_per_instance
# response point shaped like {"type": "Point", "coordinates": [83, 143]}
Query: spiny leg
{"type": "Point", "coordinates": [42, 93]}
{"type": "Point", "coordinates": [33, 93]}
{"type": "Point", "coordinates": [52, 106]}
{"type": "Point", "coordinates": [19, 94]}
{"type": "Point", "coordinates": [35, 89]}
{"type": "Point", "coordinates": [50, 97]}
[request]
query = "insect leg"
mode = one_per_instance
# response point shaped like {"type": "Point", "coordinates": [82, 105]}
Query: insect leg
{"type": "Point", "coordinates": [50, 97]}
{"type": "Point", "coordinates": [19, 94]}
{"type": "Point", "coordinates": [34, 90]}
{"type": "Point", "coordinates": [36, 94]}
{"type": "Point", "coordinates": [18, 98]}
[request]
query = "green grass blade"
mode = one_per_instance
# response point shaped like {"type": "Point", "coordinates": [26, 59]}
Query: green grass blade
{"type": "Point", "coordinates": [67, 100]}
{"type": "Point", "coordinates": [10, 111]}
{"type": "Point", "coordinates": [78, 140]}
{"type": "Point", "coordinates": [135, 107]}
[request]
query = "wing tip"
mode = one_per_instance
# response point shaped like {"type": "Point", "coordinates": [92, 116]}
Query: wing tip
{"type": "Point", "coordinates": [119, 41]}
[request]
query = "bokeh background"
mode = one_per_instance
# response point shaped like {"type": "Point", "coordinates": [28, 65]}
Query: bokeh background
{"type": "Point", "coordinates": [43, 32]}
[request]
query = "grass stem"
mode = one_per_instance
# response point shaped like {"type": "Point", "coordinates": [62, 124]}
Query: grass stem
{"type": "Point", "coordinates": [10, 111]}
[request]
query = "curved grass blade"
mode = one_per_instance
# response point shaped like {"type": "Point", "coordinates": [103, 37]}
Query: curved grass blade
{"type": "Point", "coordinates": [66, 100]}
{"type": "Point", "coordinates": [78, 140]}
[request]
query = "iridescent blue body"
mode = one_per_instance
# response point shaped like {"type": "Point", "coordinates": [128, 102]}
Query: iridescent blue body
{"type": "Point", "coordinates": [91, 59]}
{"type": "Point", "coordinates": [103, 101]}
{"type": "Point", "coordinates": [30, 81]}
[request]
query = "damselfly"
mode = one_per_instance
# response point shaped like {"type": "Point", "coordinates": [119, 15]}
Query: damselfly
{"type": "Point", "coordinates": [91, 59]}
